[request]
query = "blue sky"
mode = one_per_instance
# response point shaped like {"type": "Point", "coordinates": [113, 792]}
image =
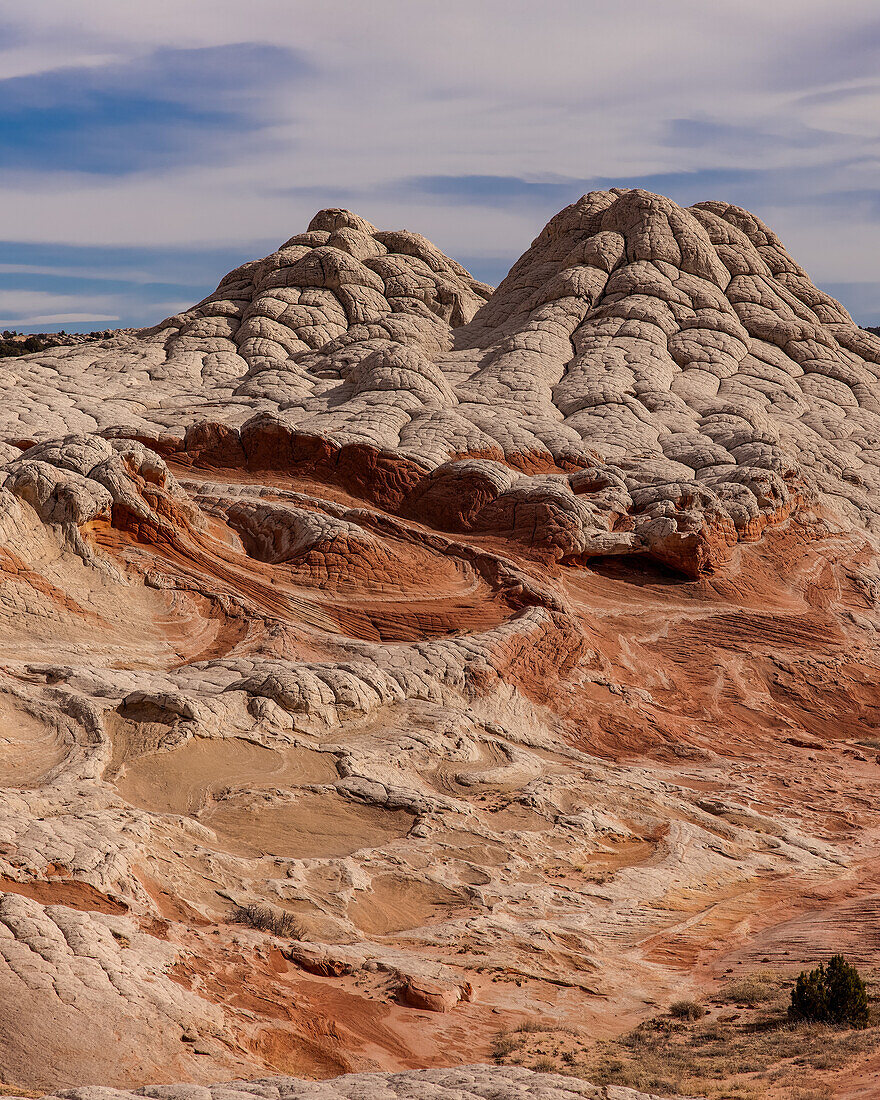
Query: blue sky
{"type": "Point", "coordinates": [146, 149]}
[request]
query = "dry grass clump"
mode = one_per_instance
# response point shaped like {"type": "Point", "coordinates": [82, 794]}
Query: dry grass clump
{"type": "Point", "coordinates": [504, 1044]}
{"type": "Point", "coordinates": [532, 1027]}
{"type": "Point", "coordinates": [277, 921]}
{"type": "Point", "coordinates": [743, 1047]}
{"type": "Point", "coordinates": [540, 1046]}
{"type": "Point", "coordinates": [686, 1010]}
{"type": "Point", "coordinates": [753, 989]}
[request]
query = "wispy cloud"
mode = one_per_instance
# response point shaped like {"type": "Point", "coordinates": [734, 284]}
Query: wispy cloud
{"type": "Point", "coordinates": [22, 309]}
{"type": "Point", "coordinates": [491, 190]}
{"type": "Point", "coordinates": [744, 141]}
{"type": "Point", "coordinates": [171, 107]}
{"type": "Point", "coordinates": [80, 320]}
{"type": "Point", "coordinates": [136, 285]}
{"type": "Point", "coordinates": [197, 135]}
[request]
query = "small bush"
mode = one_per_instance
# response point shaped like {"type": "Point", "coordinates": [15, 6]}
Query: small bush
{"type": "Point", "coordinates": [835, 994]}
{"type": "Point", "coordinates": [752, 990]}
{"type": "Point", "coordinates": [277, 921]}
{"type": "Point", "coordinates": [503, 1045]}
{"type": "Point", "coordinates": [686, 1010]}
{"type": "Point", "coordinates": [20, 347]}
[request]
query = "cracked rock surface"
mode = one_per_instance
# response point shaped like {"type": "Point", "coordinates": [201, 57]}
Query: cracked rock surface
{"type": "Point", "coordinates": [465, 1083]}
{"type": "Point", "coordinates": [386, 661]}
{"type": "Point", "coordinates": [647, 378]}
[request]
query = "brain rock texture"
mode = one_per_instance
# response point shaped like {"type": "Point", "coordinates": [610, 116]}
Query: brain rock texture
{"type": "Point", "coordinates": [646, 379]}
{"type": "Point", "coordinates": [385, 659]}
{"type": "Point", "coordinates": [467, 1083]}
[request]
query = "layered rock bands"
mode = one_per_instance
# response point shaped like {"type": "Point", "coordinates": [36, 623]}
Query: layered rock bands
{"type": "Point", "coordinates": [385, 660]}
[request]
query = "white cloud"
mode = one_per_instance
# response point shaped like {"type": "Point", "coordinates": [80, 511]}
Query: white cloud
{"type": "Point", "coordinates": [57, 319]}
{"type": "Point", "coordinates": [569, 88]}
{"type": "Point", "coordinates": [26, 308]}
{"type": "Point", "coordinates": [106, 273]}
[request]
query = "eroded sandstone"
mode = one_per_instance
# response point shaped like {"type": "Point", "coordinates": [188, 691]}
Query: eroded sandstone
{"type": "Point", "coordinates": [458, 1084]}
{"type": "Point", "coordinates": [521, 645]}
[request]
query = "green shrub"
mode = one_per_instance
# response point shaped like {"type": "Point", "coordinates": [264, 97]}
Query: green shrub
{"type": "Point", "coordinates": [21, 347]}
{"type": "Point", "coordinates": [834, 994]}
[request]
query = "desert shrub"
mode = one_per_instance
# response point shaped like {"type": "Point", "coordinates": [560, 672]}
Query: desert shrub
{"type": "Point", "coordinates": [751, 990]}
{"type": "Point", "coordinates": [20, 347]}
{"type": "Point", "coordinates": [503, 1044]}
{"type": "Point", "coordinates": [686, 1010]}
{"type": "Point", "coordinates": [277, 921]}
{"type": "Point", "coordinates": [835, 994]}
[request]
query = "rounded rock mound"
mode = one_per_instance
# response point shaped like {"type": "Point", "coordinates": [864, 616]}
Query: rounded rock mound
{"type": "Point", "coordinates": [647, 379]}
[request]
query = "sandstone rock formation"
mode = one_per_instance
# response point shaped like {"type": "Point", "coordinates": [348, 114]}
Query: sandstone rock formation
{"type": "Point", "coordinates": [465, 1083]}
{"type": "Point", "coordinates": [520, 645]}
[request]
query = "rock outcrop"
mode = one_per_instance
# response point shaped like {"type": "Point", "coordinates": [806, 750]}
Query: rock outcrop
{"type": "Point", "coordinates": [514, 652]}
{"type": "Point", "coordinates": [647, 378]}
{"type": "Point", "coordinates": [466, 1083]}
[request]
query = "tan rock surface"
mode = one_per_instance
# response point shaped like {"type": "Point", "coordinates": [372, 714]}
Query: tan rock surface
{"type": "Point", "coordinates": [521, 646]}
{"type": "Point", "coordinates": [465, 1083]}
